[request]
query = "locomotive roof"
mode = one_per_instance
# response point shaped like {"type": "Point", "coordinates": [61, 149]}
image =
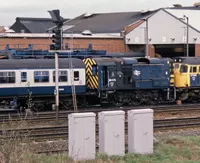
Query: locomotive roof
{"type": "Point", "coordinates": [129, 60]}
{"type": "Point", "coordinates": [107, 61]}
{"type": "Point", "coordinates": [39, 63]}
{"type": "Point", "coordinates": [188, 60]}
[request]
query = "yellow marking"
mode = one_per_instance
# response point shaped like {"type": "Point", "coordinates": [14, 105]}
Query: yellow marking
{"type": "Point", "coordinates": [91, 80]}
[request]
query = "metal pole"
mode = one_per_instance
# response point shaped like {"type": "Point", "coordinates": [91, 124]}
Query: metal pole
{"type": "Point", "coordinates": [62, 40]}
{"type": "Point", "coordinates": [187, 36]}
{"type": "Point", "coordinates": [57, 87]}
{"type": "Point", "coordinates": [146, 40]}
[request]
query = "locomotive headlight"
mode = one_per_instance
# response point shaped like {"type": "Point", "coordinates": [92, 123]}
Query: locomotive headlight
{"type": "Point", "coordinates": [166, 72]}
{"type": "Point", "coordinates": [168, 62]}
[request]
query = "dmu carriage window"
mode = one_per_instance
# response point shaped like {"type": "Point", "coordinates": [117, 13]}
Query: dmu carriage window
{"type": "Point", "coordinates": [76, 76]}
{"type": "Point", "coordinates": [41, 76]}
{"type": "Point", "coordinates": [7, 77]}
{"type": "Point", "coordinates": [62, 76]}
{"type": "Point", "coordinates": [23, 76]}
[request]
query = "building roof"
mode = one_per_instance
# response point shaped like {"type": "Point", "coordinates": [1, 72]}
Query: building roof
{"type": "Point", "coordinates": [104, 22]}
{"type": "Point", "coordinates": [32, 25]}
{"type": "Point", "coordinates": [193, 16]}
{"type": "Point", "coordinates": [185, 8]}
{"type": "Point", "coordinates": [66, 35]}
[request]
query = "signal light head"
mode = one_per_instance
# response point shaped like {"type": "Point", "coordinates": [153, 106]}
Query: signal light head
{"type": "Point", "coordinates": [57, 38]}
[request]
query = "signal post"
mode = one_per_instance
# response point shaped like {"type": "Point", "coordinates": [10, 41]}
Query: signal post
{"type": "Point", "coordinates": [57, 40]}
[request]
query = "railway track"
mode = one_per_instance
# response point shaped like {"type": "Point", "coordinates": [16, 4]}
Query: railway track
{"type": "Point", "coordinates": [61, 131]}
{"type": "Point", "coordinates": [63, 115]}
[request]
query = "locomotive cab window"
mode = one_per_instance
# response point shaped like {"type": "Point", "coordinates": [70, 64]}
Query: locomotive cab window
{"type": "Point", "coordinates": [7, 77]}
{"type": "Point", "coordinates": [176, 66]}
{"type": "Point", "coordinates": [23, 76]}
{"type": "Point", "coordinates": [111, 73]}
{"type": "Point", "coordinates": [62, 76]}
{"type": "Point", "coordinates": [76, 75]}
{"type": "Point", "coordinates": [41, 76]}
{"type": "Point", "coordinates": [184, 68]}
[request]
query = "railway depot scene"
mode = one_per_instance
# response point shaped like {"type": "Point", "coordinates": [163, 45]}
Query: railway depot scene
{"type": "Point", "coordinates": [113, 84]}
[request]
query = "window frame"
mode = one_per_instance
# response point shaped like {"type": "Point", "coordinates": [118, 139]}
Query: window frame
{"type": "Point", "coordinates": [8, 75]}
{"type": "Point", "coordinates": [21, 76]}
{"type": "Point", "coordinates": [94, 70]}
{"type": "Point", "coordinates": [40, 74]}
{"type": "Point", "coordinates": [184, 66]}
{"type": "Point", "coordinates": [76, 78]}
{"type": "Point", "coordinates": [60, 75]}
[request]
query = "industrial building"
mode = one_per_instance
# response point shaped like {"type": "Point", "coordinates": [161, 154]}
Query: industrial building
{"type": "Point", "coordinates": [173, 31]}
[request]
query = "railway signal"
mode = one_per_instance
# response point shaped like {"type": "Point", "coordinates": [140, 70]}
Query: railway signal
{"type": "Point", "coordinates": [57, 31]}
{"type": "Point", "coordinates": [57, 39]}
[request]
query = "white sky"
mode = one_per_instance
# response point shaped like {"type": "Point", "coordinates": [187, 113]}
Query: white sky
{"type": "Point", "coordinates": [10, 9]}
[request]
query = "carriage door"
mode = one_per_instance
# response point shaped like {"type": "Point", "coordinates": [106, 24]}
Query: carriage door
{"type": "Point", "coordinates": [111, 77]}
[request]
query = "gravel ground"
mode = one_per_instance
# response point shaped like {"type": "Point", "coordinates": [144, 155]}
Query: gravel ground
{"type": "Point", "coordinates": [188, 132]}
{"type": "Point", "coordinates": [62, 144]}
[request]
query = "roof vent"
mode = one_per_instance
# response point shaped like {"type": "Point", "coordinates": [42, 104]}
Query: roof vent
{"type": "Point", "coordinates": [177, 5]}
{"type": "Point", "coordinates": [197, 4]}
{"type": "Point", "coordinates": [87, 32]}
{"type": "Point", "coordinates": [144, 11]}
{"type": "Point", "coordinates": [87, 14]}
{"type": "Point", "coordinates": [10, 31]}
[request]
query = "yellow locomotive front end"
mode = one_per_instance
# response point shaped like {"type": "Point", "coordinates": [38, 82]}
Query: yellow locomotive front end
{"type": "Point", "coordinates": [181, 76]}
{"type": "Point", "coordinates": [187, 78]}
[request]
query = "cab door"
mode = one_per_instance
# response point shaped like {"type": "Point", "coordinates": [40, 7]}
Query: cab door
{"type": "Point", "coordinates": [111, 77]}
{"type": "Point", "coordinates": [181, 78]}
{"type": "Point", "coordinates": [193, 76]}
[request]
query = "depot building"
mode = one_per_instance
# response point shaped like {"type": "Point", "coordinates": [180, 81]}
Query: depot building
{"type": "Point", "coordinates": [167, 32]}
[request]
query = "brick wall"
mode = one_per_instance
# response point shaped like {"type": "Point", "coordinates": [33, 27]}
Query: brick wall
{"type": "Point", "coordinates": [197, 50]}
{"type": "Point", "coordinates": [111, 45]}
{"type": "Point", "coordinates": [151, 51]}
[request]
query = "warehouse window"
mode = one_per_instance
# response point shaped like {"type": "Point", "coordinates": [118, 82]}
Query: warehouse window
{"type": "Point", "coordinates": [41, 76]}
{"type": "Point", "coordinates": [76, 76]}
{"type": "Point", "coordinates": [62, 76]}
{"type": "Point", "coordinates": [23, 76]}
{"type": "Point", "coordinates": [7, 77]}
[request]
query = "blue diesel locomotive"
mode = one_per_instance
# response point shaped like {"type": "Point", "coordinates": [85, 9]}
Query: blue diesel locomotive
{"type": "Point", "coordinates": [131, 81]}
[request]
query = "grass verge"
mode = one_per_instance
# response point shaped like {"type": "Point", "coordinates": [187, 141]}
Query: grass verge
{"type": "Point", "coordinates": [168, 150]}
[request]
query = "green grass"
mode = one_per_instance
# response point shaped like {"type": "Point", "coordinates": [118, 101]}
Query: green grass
{"type": "Point", "coordinates": [170, 150]}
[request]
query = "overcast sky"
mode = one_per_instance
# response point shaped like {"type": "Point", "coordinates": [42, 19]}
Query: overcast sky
{"type": "Point", "coordinates": [10, 9]}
